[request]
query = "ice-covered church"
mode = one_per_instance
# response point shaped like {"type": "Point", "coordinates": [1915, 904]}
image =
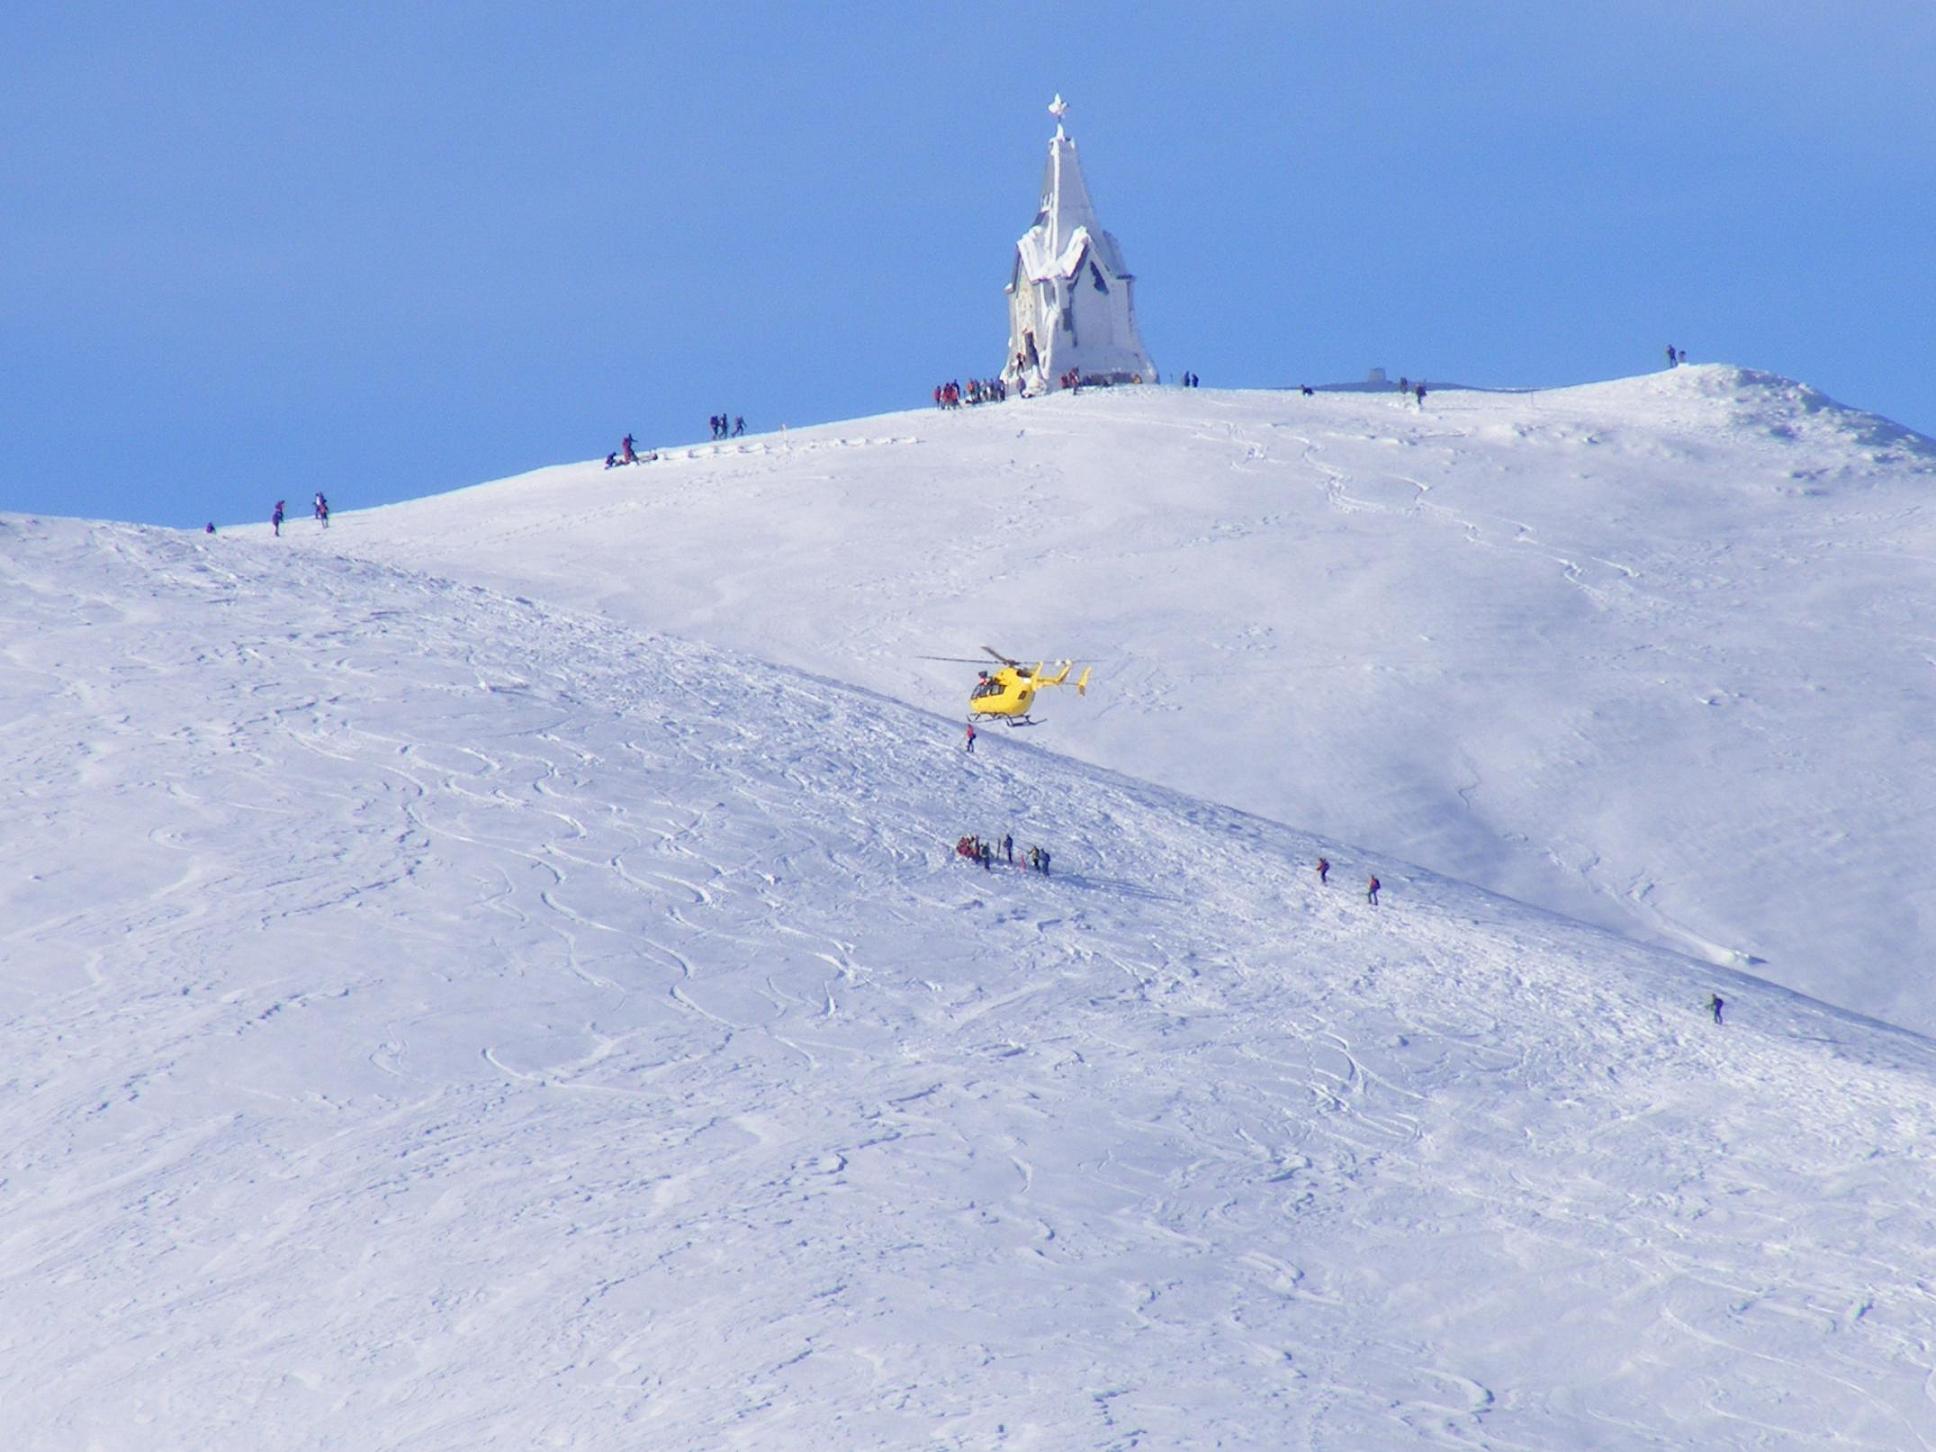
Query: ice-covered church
{"type": "Point", "coordinates": [1071, 306]}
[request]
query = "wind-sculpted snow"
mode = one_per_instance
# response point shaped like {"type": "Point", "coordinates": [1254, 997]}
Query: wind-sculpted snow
{"type": "Point", "coordinates": [1654, 654]}
{"type": "Point", "coordinates": [436, 1021]}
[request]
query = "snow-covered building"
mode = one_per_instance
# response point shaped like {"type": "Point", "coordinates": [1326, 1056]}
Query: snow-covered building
{"type": "Point", "coordinates": [1071, 310]}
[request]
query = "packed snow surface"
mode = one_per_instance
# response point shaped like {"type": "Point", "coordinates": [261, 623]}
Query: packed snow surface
{"type": "Point", "coordinates": [444, 1012]}
{"type": "Point", "coordinates": [1657, 654]}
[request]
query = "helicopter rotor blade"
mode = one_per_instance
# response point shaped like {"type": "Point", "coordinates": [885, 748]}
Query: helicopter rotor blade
{"type": "Point", "coordinates": [1005, 660]}
{"type": "Point", "coordinates": [957, 659]}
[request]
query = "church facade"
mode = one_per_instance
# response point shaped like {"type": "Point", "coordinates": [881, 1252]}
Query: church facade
{"type": "Point", "coordinates": [1071, 301]}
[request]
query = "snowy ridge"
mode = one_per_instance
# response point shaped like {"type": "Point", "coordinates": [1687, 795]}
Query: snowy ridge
{"type": "Point", "coordinates": [438, 1020]}
{"type": "Point", "coordinates": [1651, 653]}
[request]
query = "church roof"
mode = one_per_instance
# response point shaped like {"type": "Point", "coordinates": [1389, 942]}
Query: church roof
{"type": "Point", "coordinates": [1065, 225]}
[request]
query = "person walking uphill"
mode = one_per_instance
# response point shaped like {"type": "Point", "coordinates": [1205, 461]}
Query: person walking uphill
{"type": "Point", "coordinates": [1324, 871]}
{"type": "Point", "coordinates": [1371, 892]}
{"type": "Point", "coordinates": [1716, 1003]}
{"type": "Point", "coordinates": [970, 744]}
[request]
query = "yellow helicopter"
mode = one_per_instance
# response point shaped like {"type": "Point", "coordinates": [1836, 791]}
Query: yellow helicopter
{"type": "Point", "coordinates": [1009, 690]}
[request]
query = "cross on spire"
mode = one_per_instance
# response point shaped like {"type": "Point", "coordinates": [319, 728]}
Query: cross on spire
{"type": "Point", "coordinates": [1058, 108]}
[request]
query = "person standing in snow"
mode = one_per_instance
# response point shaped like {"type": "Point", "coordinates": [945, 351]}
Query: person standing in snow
{"type": "Point", "coordinates": [275, 519]}
{"type": "Point", "coordinates": [1008, 849]}
{"type": "Point", "coordinates": [739, 425]}
{"type": "Point", "coordinates": [970, 745]}
{"type": "Point", "coordinates": [1371, 892]}
{"type": "Point", "coordinates": [1716, 1003]}
{"type": "Point", "coordinates": [322, 509]}
{"type": "Point", "coordinates": [1420, 392]}
{"type": "Point", "coordinates": [1672, 357]}
{"type": "Point", "coordinates": [1324, 871]}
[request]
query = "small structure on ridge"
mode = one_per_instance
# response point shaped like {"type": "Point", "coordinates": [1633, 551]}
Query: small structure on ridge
{"type": "Point", "coordinates": [1071, 308]}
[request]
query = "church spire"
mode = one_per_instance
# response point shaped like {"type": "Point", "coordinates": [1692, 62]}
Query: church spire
{"type": "Point", "coordinates": [1069, 295]}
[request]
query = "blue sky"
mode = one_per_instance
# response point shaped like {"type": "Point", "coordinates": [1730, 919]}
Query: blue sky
{"type": "Point", "coordinates": [386, 250]}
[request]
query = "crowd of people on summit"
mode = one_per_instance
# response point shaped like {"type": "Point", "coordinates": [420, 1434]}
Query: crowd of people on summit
{"type": "Point", "coordinates": [954, 393]}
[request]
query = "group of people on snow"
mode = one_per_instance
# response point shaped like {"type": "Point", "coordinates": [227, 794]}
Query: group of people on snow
{"type": "Point", "coordinates": [1189, 380]}
{"type": "Point", "coordinates": [721, 425]}
{"type": "Point", "coordinates": [976, 849]}
{"type": "Point", "coordinates": [1371, 883]}
{"type": "Point", "coordinates": [280, 512]}
{"type": "Point", "coordinates": [954, 393]}
{"type": "Point", "coordinates": [1675, 356]}
{"type": "Point", "coordinates": [627, 453]}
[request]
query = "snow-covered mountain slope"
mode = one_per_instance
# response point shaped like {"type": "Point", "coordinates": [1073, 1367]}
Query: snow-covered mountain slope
{"type": "Point", "coordinates": [434, 1021]}
{"type": "Point", "coordinates": [1655, 653]}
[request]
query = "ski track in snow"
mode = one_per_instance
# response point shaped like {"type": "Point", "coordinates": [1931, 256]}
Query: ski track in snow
{"type": "Point", "coordinates": [438, 1021]}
